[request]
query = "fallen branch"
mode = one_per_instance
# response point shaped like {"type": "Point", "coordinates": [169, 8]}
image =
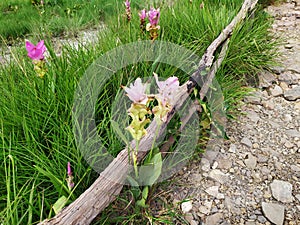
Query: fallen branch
{"type": "Point", "coordinates": [109, 184]}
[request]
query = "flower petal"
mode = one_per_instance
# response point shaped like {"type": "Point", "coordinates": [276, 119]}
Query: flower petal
{"type": "Point", "coordinates": [29, 46]}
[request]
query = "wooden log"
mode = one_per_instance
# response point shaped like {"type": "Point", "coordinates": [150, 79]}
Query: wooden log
{"type": "Point", "coordinates": [109, 184]}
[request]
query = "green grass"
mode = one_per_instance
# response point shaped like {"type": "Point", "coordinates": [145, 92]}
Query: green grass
{"type": "Point", "coordinates": [36, 133]}
{"type": "Point", "coordinates": [21, 18]}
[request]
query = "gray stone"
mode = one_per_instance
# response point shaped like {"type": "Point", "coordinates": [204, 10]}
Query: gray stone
{"type": "Point", "coordinates": [254, 98]}
{"type": "Point", "coordinates": [253, 116]}
{"type": "Point", "coordinates": [218, 175]}
{"type": "Point", "coordinates": [292, 94]}
{"type": "Point", "coordinates": [298, 197]}
{"type": "Point", "coordinates": [262, 158]}
{"type": "Point", "coordinates": [213, 191]}
{"type": "Point", "coordinates": [205, 209]}
{"type": "Point", "coordinates": [210, 155]}
{"type": "Point", "coordinates": [284, 86]}
{"type": "Point", "coordinates": [268, 104]}
{"type": "Point", "coordinates": [288, 118]}
{"type": "Point", "coordinates": [252, 217]}
{"type": "Point", "coordinates": [292, 133]}
{"type": "Point", "coordinates": [246, 141]}
{"type": "Point", "coordinates": [277, 69]}
{"type": "Point", "coordinates": [274, 212]}
{"type": "Point", "coordinates": [224, 164]}
{"type": "Point", "coordinates": [288, 77]}
{"type": "Point", "coordinates": [250, 161]}
{"type": "Point", "coordinates": [205, 165]}
{"type": "Point", "coordinates": [214, 219]}
{"type": "Point", "coordinates": [288, 46]}
{"type": "Point", "coordinates": [288, 144]}
{"type": "Point", "coordinates": [261, 219]}
{"type": "Point", "coordinates": [276, 91]}
{"type": "Point", "coordinates": [266, 79]}
{"type": "Point", "coordinates": [186, 206]}
{"type": "Point", "coordinates": [232, 148]}
{"type": "Point", "coordinates": [282, 191]}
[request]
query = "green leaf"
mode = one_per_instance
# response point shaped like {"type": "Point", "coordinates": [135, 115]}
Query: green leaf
{"type": "Point", "coordinates": [145, 192]}
{"type": "Point", "coordinates": [150, 172]}
{"type": "Point", "coordinates": [141, 203]}
{"type": "Point", "coordinates": [59, 204]}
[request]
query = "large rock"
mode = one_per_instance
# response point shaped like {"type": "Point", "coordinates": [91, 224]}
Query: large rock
{"type": "Point", "coordinates": [218, 175]}
{"type": "Point", "coordinates": [274, 212]}
{"type": "Point", "coordinates": [214, 219]}
{"type": "Point", "coordinates": [276, 91]}
{"type": "Point", "coordinates": [266, 79]}
{"type": "Point", "coordinates": [289, 77]}
{"type": "Point", "coordinates": [292, 94]}
{"type": "Point", "coordinates": [282, 191]}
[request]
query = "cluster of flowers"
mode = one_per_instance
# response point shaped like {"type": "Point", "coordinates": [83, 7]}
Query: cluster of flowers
{"type": "Point", "coordinates": [139, 111]}
{"type": "Point", "coordinates": [153, 16]}
{"type": "Point", "coordinates": [36, 53]}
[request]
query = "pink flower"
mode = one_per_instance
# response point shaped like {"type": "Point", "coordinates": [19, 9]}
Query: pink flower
{"type": "Point", "coordinates": [127, 4]}
{"type": "Point", "coordinates": [136, 92]}
{"type": "Point", "coordinates": [69, 179]}
{"type": "Point", "coordinates": [167, 88]}
{"type": "Point", "coordinates": [35, 52]}
{"type": "Point", "coordinates": [143, 14]}
{"type": "Point", "coordinates": [69, 170]}
{"type": "Point", "coordinates": [128, 10]}
{"type": "Point", "coordinates": [153, 16]}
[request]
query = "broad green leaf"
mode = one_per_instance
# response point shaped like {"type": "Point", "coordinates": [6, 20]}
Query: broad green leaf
{"type": "Point", "coordinates": [59, 204]}
{"type": "Point", "coordinates": [150, 172]}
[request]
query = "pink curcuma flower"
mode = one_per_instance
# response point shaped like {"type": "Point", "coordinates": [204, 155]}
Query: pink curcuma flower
{"type": "Point", "coordinates": [35, 52]}
{"type": "Point", "coordinates": [127, 4]}
{"type": "Point", "coordinates": [128, 10]}
{"type": "Point", "coordinates": [69, 170]}
{"type": "Point", "coordinates": [167, 88]}
{"type": "Point", "coordinates": [136, 92]}
{"type": "Point", "coordinates": [143, 14]}
{"type": "Point", "coordinates": [69, 179]}
{"type": "Point", "coordinates": [153, 16]}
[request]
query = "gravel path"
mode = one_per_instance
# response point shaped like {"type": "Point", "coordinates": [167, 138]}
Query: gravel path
{"type": "Point", "coordinates": [254, 178]}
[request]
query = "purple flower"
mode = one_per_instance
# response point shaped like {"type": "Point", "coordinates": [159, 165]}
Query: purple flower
{"type": "Point", "coordinates": [167, 88]}
{"type": "Point", "coordinates": [153, 16]}
{"type": "Point", "coordinates": [143, 14]}
{"type": "Point", "coordinates": [69, 179]}
{"type": "Point", "coordinates": [136, 92]}
{"type": "Point", "coordinates": [69, 169]}
{"type": "Point", "coordinates": [127, 4]}
{"type": "Point", "coordinates": [35, 52]}
{"type": "Point", "coordinates": [128, 10]}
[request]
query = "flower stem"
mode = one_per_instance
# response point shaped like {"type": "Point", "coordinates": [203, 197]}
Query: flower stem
{"type": "Point", "coordinates": [134, 157]}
